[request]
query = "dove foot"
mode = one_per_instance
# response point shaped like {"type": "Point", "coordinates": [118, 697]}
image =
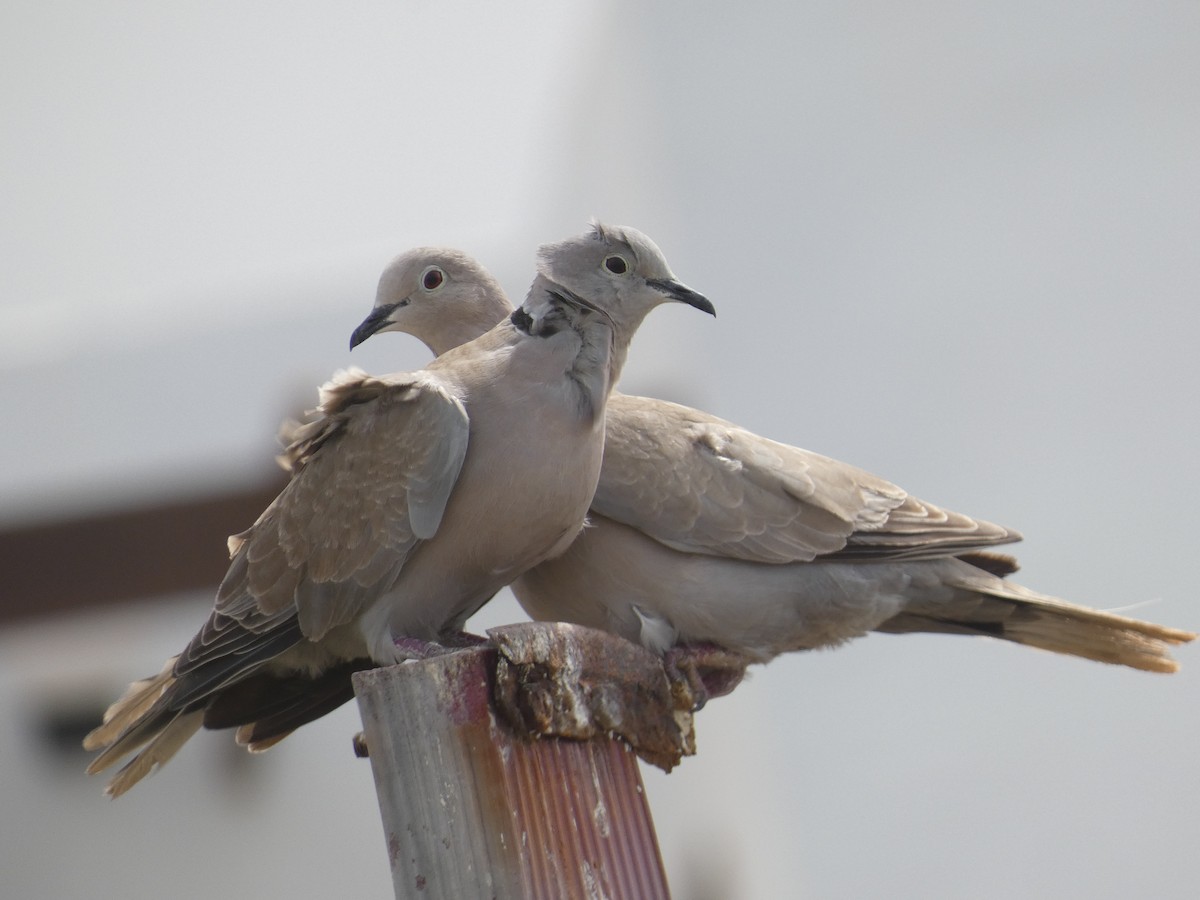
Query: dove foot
{"type": "Point", "coordinates": [699, 672]}
{"type": "Point", "coordinates": [450, 642]}
{"type": "Point", "coordinates": [460, 640]}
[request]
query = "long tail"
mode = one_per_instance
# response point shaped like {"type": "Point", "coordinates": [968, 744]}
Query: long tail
{"type": "Point", "coordinates": [985, 604]}
{"type": "Point", "coordinates": [130, 707]}
{"type": "Point", "coordinates": [141, 718]}
{"type": "Point", "coordinates": [264, 708]}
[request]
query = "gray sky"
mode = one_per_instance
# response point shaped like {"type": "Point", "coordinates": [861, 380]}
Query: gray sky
{"type": "Point", "coordinates": [955, 245]}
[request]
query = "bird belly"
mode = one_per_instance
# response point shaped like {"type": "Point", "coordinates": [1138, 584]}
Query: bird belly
{"type": "Point", "coordinates": [539, 503]}
{"type": "Point", "coordinates": [617, 578]}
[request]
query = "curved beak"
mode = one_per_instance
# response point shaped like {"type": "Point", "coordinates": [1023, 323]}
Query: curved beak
{"type": "Point", "coordinates": [380, 317]}
{"type": "Point", "coordinates": [682, 294]}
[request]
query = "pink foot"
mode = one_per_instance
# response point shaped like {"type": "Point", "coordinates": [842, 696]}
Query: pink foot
{"type": "Point", "coordinates": [416, 648]}
{"type": "Point", "coordinates": [703, 671]}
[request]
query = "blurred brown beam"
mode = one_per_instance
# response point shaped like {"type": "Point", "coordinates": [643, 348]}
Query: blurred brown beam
{"type": "Point", "coordinates": [131, 554]}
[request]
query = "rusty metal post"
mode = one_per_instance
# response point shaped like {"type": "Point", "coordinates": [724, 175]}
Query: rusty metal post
{"type": "Point", "coordinates": [511, 772]}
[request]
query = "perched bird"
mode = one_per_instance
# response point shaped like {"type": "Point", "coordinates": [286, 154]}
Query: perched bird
{"type": "Point", "coordinates": [702, 532]}
{"type": "Point", "coordinates": [414, 498]}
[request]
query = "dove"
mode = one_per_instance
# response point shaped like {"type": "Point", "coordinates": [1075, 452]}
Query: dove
{"type": "Point", "coordinates": [413, 499]}
{"type": "Point", "coordinates": [702, 533]}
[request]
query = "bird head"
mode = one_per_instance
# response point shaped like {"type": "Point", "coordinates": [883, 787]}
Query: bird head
{"type": "Point", "coordinates": [440, 296]}
{"type": "Point", "coordinates": [619, 271]}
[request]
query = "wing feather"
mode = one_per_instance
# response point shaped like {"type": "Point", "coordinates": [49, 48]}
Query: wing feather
{"type": "Point", "coordinates": [339, 533]}
{"type": "Point", "coordinates": [699, 484]}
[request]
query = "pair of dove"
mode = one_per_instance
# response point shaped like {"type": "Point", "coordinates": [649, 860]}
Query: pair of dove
{"type": "Point", "coordinates": [414, 498]}
{"type": "Point", "coordinates": [700, 532]}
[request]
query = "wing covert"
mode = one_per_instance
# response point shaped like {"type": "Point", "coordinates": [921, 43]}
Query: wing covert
{"type": "Point", "coordinates": [699, 484]}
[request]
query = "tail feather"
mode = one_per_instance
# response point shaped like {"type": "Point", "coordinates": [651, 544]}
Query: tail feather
{"type": "Point", "coordinates": [133, 705]}
{"type": "Point", "coordinates": [156, 753]}
{"type": "Point", "coordinates": [150, 719]}
{"type": "Point", "coordinates": [245, 738]}
{"type": "Point", "coordinates": [1120, 641]}
{"type": "Point", "coordinates": [983, 604]}
{"type": "Point", "coordinates": [267, 707]}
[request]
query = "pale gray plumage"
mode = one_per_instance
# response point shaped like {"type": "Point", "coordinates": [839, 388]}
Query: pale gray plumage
{"type": "Point", "coordinates": [413, 499]}
{"type": "Point", "coordinates": [701, 531]}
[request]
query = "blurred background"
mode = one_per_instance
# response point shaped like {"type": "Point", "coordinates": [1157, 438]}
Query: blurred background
{"type": "Point", "coordinates": [954, 244]}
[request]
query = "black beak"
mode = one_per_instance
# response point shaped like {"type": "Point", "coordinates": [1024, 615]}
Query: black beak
{"type": "Point", "coordinates": [676, 291]}
{"type": "Point", "coordinates": [372, 323]}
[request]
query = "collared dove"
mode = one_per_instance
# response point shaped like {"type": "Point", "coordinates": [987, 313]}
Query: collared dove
{"type": "Point", "coordinates": [414, 498]}
{"type": "Point", "coordinates": [702, 532]}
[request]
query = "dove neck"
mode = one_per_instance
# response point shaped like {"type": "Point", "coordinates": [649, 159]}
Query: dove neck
{"type": "Point", "coordinates": [549, 308]}
{"type": "Point", "coordinates": [601, 355]}
{"type": "Point", "coordinates": [466, 321]}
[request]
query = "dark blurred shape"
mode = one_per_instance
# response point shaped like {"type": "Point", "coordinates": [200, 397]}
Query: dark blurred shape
{"type": "Point", "coordinates": [60, 726]}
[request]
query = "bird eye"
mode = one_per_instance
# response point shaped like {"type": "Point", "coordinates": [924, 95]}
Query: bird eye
{"type": "Point", "coordinates": [616, 265]}
{"type": "Point", "coordinates": [432, 278]}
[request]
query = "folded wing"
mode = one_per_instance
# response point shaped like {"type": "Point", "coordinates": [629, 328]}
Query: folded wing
{"type": "Point", "coordinates": [699, 484]}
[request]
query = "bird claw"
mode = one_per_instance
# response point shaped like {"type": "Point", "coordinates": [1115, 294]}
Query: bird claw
{"type": "Point", "coordinates": [460, 640]}
{"type": "Point", "coordinates": [451, 642]}
{"type": "Point", "coordinates": [699, 672]}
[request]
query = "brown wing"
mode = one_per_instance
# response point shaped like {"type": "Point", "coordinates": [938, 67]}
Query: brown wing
{"type": "Point", "coordinates": [700, 484]}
